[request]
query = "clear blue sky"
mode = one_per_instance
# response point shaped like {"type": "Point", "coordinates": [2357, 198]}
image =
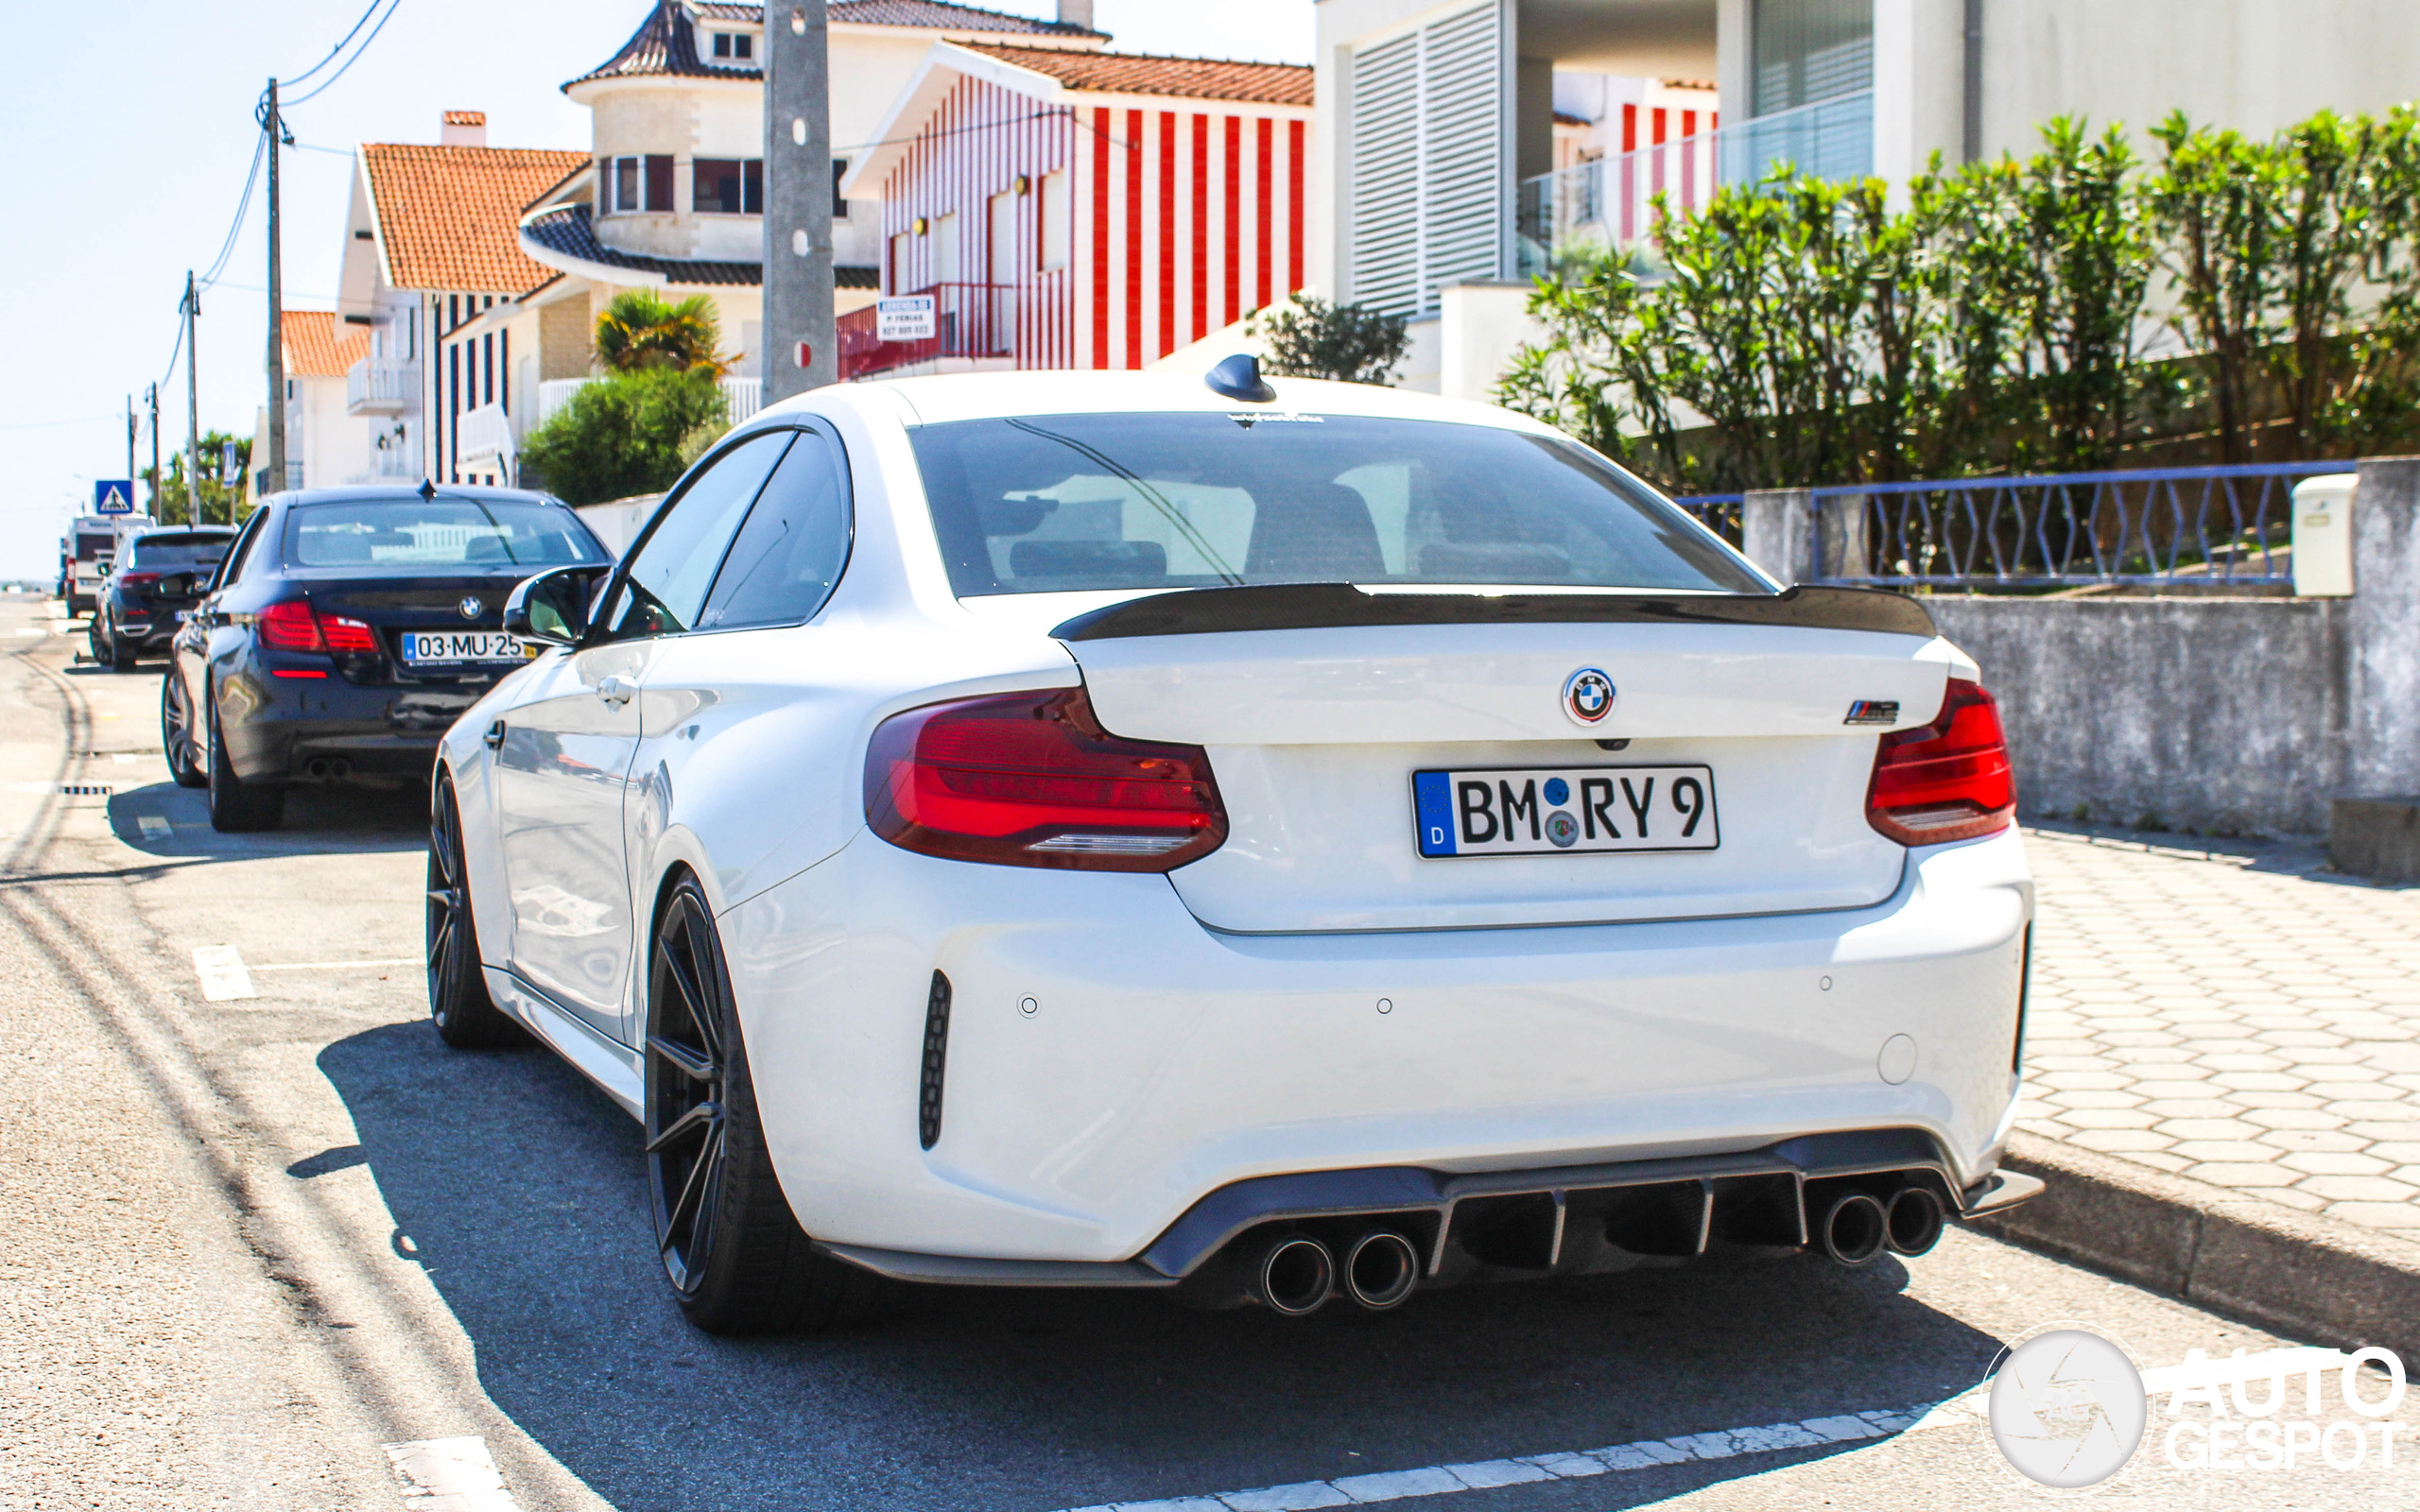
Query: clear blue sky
{"type": "Point", "coordinates": [136, 124]}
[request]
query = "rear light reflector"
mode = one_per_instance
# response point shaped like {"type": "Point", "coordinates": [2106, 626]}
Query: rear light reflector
{"type": "Point", "coordinates": [1031, 780]}
{"type": "Point", "coordinates": [1947, 780]}
{"type": "Point", "coordinates": [290, 624]}
{"type": "Point", "coordinates": [138, 580]}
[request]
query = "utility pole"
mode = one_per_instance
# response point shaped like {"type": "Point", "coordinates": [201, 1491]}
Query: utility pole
{"type": "Point", "coordinates": [152, 392]}
{"type": "Point", "coordinates": [801, 352]}
{"type": "Point", "coordinates": [275, 126]}
{"type": "Point", "coordinates": [193, 406]}
{"type": "Point", "coordinates": [130, 449]}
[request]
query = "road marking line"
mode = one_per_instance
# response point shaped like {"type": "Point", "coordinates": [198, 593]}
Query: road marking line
{"type": "Point", "coordinates": [330, 965]}
{"type": "Point", "coordinates": [223, 976]}
{"type": "Point", "coordinates": [1807, 1433]}
{"type": "Point", "coordinates": [154, 826]}
{"type": "Point", "coordinates": [33, 629]}
{"type": "Point", "coordinates": [450, 1476]}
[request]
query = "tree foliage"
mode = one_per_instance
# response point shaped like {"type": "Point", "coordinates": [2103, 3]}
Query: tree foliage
{"type": "Point", "coordinates": [625, 434]}
{"type": "Point", "coordinates": [221, 504]}
{"type": "Point", "coordinates": [2075, 309]}
{"type": "Point", "coordinates": [1313, 338]}
{"type": "Point", "coordinates": [640, 329]}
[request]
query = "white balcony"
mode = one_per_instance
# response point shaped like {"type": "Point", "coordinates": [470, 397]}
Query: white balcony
{"type": "Point", "coordinates": [745, 396]}
{"type": "Point", "coordinates": [376, 387]}
{"type": "Point", "coordinates": [483, 442]}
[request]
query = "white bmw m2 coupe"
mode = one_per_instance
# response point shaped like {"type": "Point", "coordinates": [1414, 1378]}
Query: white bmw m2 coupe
{"type": "Point", "coordinates": [1266, 841]}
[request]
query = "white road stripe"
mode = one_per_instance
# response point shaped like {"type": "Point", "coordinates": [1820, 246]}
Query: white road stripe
{"type": "Point", "coordinates": [223, 978]}
{"type": "Point", "coordinates": [450, 1476]}
{"type": "Point", "coordinates": [331, 966]}
{"type": "Point", "coordinates": [1731, 1443]}
{"type": "Point", "coordinates": [154, 826]}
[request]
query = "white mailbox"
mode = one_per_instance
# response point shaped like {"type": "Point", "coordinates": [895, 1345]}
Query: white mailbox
{"type": "Point", "coordinates": [2323, 536]}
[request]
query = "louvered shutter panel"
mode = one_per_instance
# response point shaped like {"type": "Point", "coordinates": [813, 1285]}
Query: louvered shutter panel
{"type": "Point", "coordinates": [1463, 110]}
{"type": "Point", "coordinates": [1429, 127]}
{"type": "Point", "coordinates": [1386, 175]}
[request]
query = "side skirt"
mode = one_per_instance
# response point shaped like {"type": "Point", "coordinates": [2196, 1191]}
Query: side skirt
{"type": "Point", "coordinates": [612, 1066]}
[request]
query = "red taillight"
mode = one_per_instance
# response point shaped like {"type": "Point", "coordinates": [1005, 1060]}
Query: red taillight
{"type": "Point", "coordinates": [138, 580]}
{"type": "Point", "coordinates": [1031, 780]}
{"type": "Point", "coordinates": [1949, 780]}
{"type": "Point", "coordinates": [289, 626]}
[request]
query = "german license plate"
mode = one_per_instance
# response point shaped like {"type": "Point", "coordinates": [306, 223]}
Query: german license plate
{"type": "Point", "coordinates": [442, 647]}
{"type": "Point", "coordinates": [1532, 811]}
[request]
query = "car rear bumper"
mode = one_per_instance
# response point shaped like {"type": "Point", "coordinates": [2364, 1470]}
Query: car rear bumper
{"type": "Point", "coordinates": [1108, 1062]}
{"type": "Point", "coordinates": [277, 728]}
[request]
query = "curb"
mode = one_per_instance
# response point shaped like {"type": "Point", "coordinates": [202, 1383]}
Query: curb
{"type": "Point", "coordinates": [2300, 1274]}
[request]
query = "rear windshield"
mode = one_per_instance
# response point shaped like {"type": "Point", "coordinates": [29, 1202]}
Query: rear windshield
{"type": "Point", "coordinates": [177, 551]}
{"type": "Point", "coordinates": [412, 534]}
{"type": "Point", "coordinates": [1142, 501]}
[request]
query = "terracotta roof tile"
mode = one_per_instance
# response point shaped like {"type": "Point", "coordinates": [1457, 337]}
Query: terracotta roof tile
{"type": "Point", "coordinates": [1140, 74]}
{"type": "Point", "coordinates": [450, 217]}
{"type": "Point", "coordinates": [666, 41]}
{"type": "Point", "coordinates": [317, 347]}
{"type": "Point", "coordinates": [566, 231]}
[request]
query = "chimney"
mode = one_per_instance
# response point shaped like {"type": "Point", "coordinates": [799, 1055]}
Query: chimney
{"type": "Point", "coordinates": [1076, 13]}
{"type": "Point", "coordinates": [463, 129]}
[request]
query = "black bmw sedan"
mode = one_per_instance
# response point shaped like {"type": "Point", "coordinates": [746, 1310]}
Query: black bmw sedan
{"type": "Point", "coordinates": [345, 632]}
{"type": "Point", "coordinates": [157, 576]}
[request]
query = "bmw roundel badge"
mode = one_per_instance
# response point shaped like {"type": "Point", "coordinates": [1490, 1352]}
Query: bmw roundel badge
{"type": "Point", "coordinates": [1588, 696]}
{"type": "Point", "coordinates": [472, 606]}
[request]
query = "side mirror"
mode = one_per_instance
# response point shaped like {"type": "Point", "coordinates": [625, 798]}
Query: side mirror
{"type": "Point", "coordinates": [551, 607]}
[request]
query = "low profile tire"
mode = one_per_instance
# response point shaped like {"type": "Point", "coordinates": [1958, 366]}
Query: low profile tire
{"type": "Point", "coordinates": [175, 735]}
{"type": "Point", "coordinates": [459, 1004]}
{"type": "Point", "coordinates": [735, 1255]}
{"type": "Point", "coordinates": [237, 806]}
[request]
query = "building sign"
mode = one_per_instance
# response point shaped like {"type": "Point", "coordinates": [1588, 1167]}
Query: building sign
{"type": "Point", "coordinates": [906, 319]}
{"type": "Point", "coordinates": [113, 496]}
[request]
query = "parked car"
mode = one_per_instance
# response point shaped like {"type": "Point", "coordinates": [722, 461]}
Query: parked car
{"type": "Point", "coordinates": [346, 630]}
{"type": "Point", "coordinates": [1262, 842]}
{"type": "Point", "coordinates": [159, 574]}
{"type": "Point", "coordinates": [86, 555]}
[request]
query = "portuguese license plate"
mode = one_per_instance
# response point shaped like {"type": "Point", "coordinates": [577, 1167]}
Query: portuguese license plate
{"type": "Point", "coordinates": [1532, 810]}
{"type": "Point", "coordinates": [423, 648]}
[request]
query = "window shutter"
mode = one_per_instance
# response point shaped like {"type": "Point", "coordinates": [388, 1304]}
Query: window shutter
{"type": "Point", "coordinates": [1430, 125]}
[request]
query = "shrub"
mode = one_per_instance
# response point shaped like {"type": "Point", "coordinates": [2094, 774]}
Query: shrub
{"type": "Point", "coordinates": [1345, 342]}
{"type": "Point", "coordinates": [625, 433]}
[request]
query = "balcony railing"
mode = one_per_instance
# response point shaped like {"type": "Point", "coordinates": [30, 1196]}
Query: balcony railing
{"type": "Point", "coordinates": [483, 441]}
{"type": "Point", "coordinates": [1611, 201]}
{"type": "Point", "coordinates": [745, 397]}
{"type": "Point", "coordinates": [969, 320]}
{"type": "Point", "coordinates": [376, 387]}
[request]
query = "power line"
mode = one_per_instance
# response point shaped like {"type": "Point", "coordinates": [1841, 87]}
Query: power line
{"type": "Point", "coordinates": [329, 82]}
{"type": "Point", "coordinates": [337, 48]}
{"type": "Point", "coordinates": [227, 248]}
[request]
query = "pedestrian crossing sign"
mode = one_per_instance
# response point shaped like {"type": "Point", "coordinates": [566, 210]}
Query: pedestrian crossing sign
{"type": "Point", "coordinates": [113, 496]}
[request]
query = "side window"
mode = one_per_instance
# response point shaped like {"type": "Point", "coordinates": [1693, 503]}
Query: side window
{"type": "Point", "coordinates": [239, 556]}
{"type": "Point", "coordinates": [666, 584]}
{"type": "Point", "coordinates": [786, 559]}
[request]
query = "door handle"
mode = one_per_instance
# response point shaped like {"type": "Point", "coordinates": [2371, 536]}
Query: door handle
{"type": "Point", "coordinates": [495, 737]}
{"type": "Point", "coordinates": [615, 689]}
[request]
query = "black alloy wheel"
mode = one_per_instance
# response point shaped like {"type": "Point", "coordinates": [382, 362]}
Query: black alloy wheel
{"type": "Point", "coordinates": [236, 806]}
{"type": "Point", "coordinates": [176, 734]}
{"type": "Point", "coordinates": [735, 1255]}
{"type": "Point", "coordinates": [97, 643]}
{"type": "Point", "coordinates": [459, 1004]}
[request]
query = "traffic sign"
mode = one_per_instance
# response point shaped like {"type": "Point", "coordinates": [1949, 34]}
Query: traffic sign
{"type": "Point", "coordinates": [113, 496]}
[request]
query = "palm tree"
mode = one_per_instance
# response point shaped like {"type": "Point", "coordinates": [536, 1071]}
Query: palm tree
{"type": "Point", "coordinates": [639, 330]}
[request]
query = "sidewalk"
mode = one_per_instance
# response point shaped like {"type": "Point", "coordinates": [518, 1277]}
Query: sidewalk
{"type": "Point", "coordinates": [2222, 1068]}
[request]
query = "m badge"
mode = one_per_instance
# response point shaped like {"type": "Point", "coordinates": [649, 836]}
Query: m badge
{"type": "Point", "coordinates": [1873, 711]}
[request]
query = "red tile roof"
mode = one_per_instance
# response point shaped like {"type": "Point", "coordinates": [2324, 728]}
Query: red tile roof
{"type": "Point", "coordinates": [449, 218]}
{"type": "Point", "coordinates": [317, 347]}
{"type": "Point", "coordinates": [1139, 74]}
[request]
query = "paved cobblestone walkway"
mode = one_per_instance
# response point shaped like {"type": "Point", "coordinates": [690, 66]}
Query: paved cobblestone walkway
{"type": "Point", "coordinates": [2239, 1015]}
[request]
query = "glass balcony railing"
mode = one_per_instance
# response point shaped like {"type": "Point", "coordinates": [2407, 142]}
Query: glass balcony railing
{"type": "Point", "coordinates": [1611, 201]}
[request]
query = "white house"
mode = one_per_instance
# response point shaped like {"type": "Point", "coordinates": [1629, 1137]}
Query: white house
{"type": "Point", "coordinates": [1453, 133]}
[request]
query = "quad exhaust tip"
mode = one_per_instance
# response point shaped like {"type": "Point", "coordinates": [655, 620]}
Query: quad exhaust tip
{"type": "Point", "coordinates": [1380, 1270]}
{"type": "Point", "coordinates": [1855, 1228]}
{"type": "Point", "coordinates": [1296, 1275]}
{"type": "Point", "coordinates": [1914, 1221]}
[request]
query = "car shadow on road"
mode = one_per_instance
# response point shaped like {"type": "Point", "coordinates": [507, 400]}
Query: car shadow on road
{"type": "Point", "coordinates": [162, 819]}
{"type": "Point", "coordinates": [520, 1188]}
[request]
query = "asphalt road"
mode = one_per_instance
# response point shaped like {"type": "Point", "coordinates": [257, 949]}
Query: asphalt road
{"type": "Point", "coordinates": [245, 1245]}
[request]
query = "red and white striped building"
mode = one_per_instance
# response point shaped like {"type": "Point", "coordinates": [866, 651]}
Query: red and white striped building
{"type": "Point", "coordinates": [1074, 209]}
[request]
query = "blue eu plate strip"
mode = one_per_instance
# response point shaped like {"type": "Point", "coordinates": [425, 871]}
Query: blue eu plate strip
{"type": "Point", "coordinates": [1432, 799]}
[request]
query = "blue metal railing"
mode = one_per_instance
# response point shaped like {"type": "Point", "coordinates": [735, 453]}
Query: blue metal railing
{"type": "Point", "coordinates": [1722, 513]}
{"type": "Point", "coordinates": [2156, 525]}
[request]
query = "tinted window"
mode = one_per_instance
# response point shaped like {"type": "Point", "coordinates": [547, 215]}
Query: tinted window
{"type": "Point", "coordinates": [177, 551]}
{"type": "Point", "coordinates": [786, 558]}
{"type": "Point", "coordinates": [246, 542]}
{"type": "Point", "coordinates": [664, 587]}
{"type": "Point", "coordinates": [1065, 501]}
{"type": "Point", "coordinates": [421, 535]}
